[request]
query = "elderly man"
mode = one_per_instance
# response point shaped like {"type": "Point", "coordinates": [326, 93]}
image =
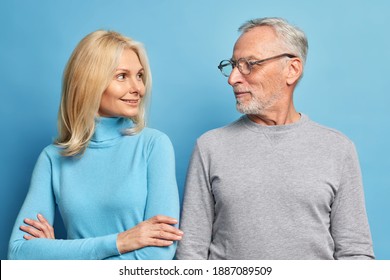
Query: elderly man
{"type": "Point", "coordinates": [273, 184]}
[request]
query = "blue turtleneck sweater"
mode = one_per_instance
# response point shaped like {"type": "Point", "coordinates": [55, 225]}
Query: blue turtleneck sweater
{"type": "Point", "coordinates": [119, 182]}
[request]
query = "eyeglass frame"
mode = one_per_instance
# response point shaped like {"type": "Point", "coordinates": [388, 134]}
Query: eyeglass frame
{"type": "Point", "coordinates": [250, 63]}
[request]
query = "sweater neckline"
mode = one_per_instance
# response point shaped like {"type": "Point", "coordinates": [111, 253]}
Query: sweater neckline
{"type": "Point", "coordinates": [251, 125]}
{"type": "Point", "coordinates": [109, 129]}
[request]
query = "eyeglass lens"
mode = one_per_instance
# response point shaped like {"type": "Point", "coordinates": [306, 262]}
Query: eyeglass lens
{"type": "Point", "coordinates": [226, 67]}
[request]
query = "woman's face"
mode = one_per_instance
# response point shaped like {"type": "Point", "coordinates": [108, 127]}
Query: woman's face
{"type": "Point", "coordinates": [123, 96]}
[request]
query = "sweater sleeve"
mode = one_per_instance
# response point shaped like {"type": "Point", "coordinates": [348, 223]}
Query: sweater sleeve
{"type": "Point", "coordinates": [163, 196]}
{"type": "Point", "coordinates": [349, 223]}
{"type": "Point", "coordinates": [198, 211]}
{"type": "Point", "coordinates": [40, 199]}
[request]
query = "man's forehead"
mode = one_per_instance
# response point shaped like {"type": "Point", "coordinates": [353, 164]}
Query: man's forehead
{"type": "Point", "coordinates": [256, 42]}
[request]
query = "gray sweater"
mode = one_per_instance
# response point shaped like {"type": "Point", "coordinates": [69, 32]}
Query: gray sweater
{"type": "Point", "coordinates": [274, 192]}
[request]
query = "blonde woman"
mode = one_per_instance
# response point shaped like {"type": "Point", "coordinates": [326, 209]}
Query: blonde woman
{"type": "Point", "coordinates": [112, 178]}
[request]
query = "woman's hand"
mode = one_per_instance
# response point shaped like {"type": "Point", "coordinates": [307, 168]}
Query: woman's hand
{"type": "Point", "coordinates": [157, 231]}
{"type": "Point", "coordinates": [38, 229]}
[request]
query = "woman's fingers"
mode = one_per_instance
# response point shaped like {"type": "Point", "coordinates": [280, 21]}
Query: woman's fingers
{"type": "Point", "coordinates": [28, 237]}
{"type": "Point", "coordinates": [159, 242]}
{"type": "Point", "coordinates": [32, 231]}
{"type": "Point", "coordinates": [156, 231]}
{"type": "Point", "coordinates": [164, 235]}
{"type": "Point", "coordinates": [163, 219]}
{"type": "Point", "coordinates": [160, 227]}
{"type": "Point", "coordinates": [38, 229]}
{"type": "Point", "coordinates": [163, 225]}
{"type": "Point", "coordinates": [167, 232]}
{"type": "Point", "coordinates": [47, 228]}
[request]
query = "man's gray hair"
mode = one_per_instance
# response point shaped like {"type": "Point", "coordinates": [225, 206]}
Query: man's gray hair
{"type": "Point", "coordinates": [293, 38]}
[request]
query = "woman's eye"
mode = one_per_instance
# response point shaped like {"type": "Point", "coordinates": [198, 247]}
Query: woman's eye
{"type": "Point", "coordinates": [140, 76]}
{"type": "Point", "coordinates": [121, 77]}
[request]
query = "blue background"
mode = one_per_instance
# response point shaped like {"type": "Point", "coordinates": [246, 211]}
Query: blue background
{"type": "Point", "coordinates": [345, 85]}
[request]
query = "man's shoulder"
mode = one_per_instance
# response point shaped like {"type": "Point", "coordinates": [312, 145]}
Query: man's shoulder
{"type": "Point", "coordinates": [222, 132]}
{"type": "Point", "coordinates": [329, 134]}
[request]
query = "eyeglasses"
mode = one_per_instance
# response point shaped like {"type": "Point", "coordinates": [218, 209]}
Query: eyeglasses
{"type": "Point", "coordinates": [244, 66]}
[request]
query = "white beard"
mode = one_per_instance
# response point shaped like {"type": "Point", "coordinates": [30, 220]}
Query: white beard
{"type": "Point", "coordinates": [256, 105]}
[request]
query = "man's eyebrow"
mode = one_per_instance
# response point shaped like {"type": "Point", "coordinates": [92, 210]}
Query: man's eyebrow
{"type": "Point", "coordinates": [251, 57]}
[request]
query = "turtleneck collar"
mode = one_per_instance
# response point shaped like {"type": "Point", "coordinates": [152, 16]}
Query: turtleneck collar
{"type": "Point", "coordinates": [273, 128]}
{"type": "Point", "coordinates": [109, 129]}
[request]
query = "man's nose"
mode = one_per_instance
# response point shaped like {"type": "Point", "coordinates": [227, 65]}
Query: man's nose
{"type": "Point", "coordinates": [235, 77]}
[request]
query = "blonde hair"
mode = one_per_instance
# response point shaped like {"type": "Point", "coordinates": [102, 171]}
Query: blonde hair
{"type": "Point", "coordinates": [87, 74]}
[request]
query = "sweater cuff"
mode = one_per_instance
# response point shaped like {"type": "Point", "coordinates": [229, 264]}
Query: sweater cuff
{"type": "Point", "coordinates": [109, 247]}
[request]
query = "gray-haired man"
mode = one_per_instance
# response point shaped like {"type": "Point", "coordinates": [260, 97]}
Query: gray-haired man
{"type": "Point", "coordinates": [273, 184]}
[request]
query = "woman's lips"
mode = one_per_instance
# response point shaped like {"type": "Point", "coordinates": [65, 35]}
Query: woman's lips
{"type": "Point", "coordinates": [130, 101]}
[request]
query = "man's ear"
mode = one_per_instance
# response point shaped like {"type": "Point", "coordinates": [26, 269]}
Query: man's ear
{"type": "Point", "coordinates": [295, 68]}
